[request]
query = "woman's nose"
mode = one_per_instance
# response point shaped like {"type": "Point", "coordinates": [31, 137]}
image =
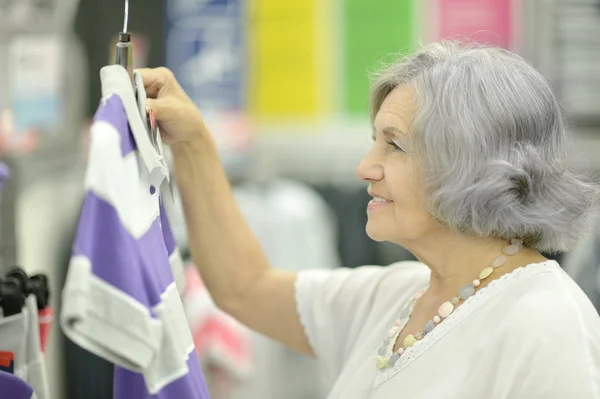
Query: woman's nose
{"type": "Point", "coordinates": [370, 169]}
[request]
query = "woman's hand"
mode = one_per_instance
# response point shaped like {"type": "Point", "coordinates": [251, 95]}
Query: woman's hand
{"type": "Point", "coordinates": [179, 120]}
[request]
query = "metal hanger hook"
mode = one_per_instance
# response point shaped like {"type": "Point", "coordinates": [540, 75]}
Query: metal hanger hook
{"type": "Point", "coordinates": [126, 16]}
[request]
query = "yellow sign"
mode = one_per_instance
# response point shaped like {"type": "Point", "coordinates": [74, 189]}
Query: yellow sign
{"type": "Point", "coordinates": [290, 58]}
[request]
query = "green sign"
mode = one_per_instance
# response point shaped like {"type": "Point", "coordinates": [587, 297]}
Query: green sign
{"type": "Point", "coordinates": [373, 29]}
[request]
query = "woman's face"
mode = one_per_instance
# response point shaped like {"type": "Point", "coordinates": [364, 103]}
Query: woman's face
{"type": "Point", "coordinates": [397, 212]}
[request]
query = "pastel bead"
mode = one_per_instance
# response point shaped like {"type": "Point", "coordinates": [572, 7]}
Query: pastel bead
{"type": "Point", "coordinates": [400, 351]}
{"type": "Point", "coordinates": [511, 249]}
{"type": "Point", "coordinates": [455, 301]}
{"type": "Point", "coordinates": [397, 322]}
{"type": "Point", "coordinates": [392, 332]}
{"type": "Point", "coordinates": [436, 319]}
{"type": "Point", "coordinates": [428, 327]}
{"type": "Point", "coordinates": [476, 283]}
{"type": "Point", "coordinates": [419, 335]}
{"type": "Point", "coordinates": [382, 362]}
{"type": "Point", "coordinates": [466, 291]}
{"type": "Point", "coordinates": [405, 312]}
{"type": "Point", "coordinates": [382, 349]}
{"type": "Point", "coordinates": [409, 341]}
{"type": "Point", "coordinates": [485, 273]}
{"type": "Point", "coordinates": [393, 359]}
{"type": "Point", "coordinates": [445, 310]}
{"type": "Point", "coordinates": [517, 242]}
{"type": "Point", "coordinates": [499, 261]}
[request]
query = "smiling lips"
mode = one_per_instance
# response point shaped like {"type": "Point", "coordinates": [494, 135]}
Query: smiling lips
{"type": "Point", "coordinates": [377, 202]}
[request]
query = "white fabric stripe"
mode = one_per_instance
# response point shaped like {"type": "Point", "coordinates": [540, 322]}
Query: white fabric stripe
{"type": "Point", "coordinates": [170, 363]}
{"type": "Point", "coordinates": [107, 322]}
{"type": "Point", "coordinates": [36, 370]}
{"type": "Point", "coordinates": [115, 80]}
{"type": "Point", "coordinates": [120, 181]}
{"type": "Point", "coordinates": [177, 269]}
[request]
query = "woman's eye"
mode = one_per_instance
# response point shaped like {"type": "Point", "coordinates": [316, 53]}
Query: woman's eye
{"type": "Point", "coordinates": [395, 146]}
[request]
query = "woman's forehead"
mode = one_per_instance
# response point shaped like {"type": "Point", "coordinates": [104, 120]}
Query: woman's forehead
{"type": "Point", "coordinates": [396, 112]}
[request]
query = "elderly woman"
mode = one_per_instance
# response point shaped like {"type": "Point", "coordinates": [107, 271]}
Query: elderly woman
{"type": "Point", "coordinates": [468, 170]}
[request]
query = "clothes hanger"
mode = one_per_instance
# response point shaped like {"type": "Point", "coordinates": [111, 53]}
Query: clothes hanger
{"type": "Point", "coordinates": [12, 299]}
{"type": "Point", "coordinates": [124, 57]}
{"type": "Point", "coordinates": [37, 285]}
{"type": "Point", "coordinates": [124, 53]}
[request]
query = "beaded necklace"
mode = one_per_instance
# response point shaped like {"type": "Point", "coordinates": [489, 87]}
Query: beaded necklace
{"type": "Point", "coordinates": [444, 310]}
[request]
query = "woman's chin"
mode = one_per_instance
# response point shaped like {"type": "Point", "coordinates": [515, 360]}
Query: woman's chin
{"type": "Point", "coordinates": [376, 233]}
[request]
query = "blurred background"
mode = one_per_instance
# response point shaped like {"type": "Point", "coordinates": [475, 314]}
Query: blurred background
{"type": "Point", "coordinates": [284, 87]}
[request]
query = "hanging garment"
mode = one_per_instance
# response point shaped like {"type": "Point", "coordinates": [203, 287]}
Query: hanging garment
{"type": "Point", "coordinates": [297, 231]}
{"type": "Point", "coordinates": [121, 300]}
{"type": "Point", "coordinates": [19, 335]}
{"type": "Point", "coordinates": [350, 207]}
{"type": "Point", "coordinates": [4, 174]}
{"type": "Point", "coordinates": [13, 387]}
{"type": "Point", "coordinates": [89, 376]}
{"type": "Point", "coordinates": [221, 342]}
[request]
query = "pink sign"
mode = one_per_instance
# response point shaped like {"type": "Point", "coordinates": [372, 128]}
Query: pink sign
{"type": "Point", "coordinates": [486, 21]}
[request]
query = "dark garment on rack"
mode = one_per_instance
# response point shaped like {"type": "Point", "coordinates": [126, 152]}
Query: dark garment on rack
{"type": "Point", "coordinates": [388, 253]}
{"type": "Point", "coordinates": [87, 376]}
{"type": "Point", "coordinates": [350, 208]}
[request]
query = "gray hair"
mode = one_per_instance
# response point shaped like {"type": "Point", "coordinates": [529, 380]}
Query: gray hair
{"type": "Point", "coordinates": [491, 140]}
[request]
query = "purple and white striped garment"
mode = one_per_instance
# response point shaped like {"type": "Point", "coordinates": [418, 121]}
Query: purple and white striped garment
{"type": "Point", "coordinates": [121, 301]}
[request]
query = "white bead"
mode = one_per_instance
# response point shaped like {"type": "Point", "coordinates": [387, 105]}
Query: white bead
{"type": "Point", "coordinates": [446, 309]}
{"type": "Point", "coordinates": [499, 261]}
{"type": "Point", "coordinates": [436, 319]}
{"type": "Point", "coordinates": [511, 249]}
{"type": "Point", "coordinates": [476, 283]}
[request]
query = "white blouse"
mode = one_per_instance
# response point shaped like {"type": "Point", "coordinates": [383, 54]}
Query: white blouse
{"type": "Point", "coordinates": [529, 334]}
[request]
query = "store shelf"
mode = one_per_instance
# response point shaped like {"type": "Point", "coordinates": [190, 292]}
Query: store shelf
{"type": "Point", "coordinates": [330, 154]}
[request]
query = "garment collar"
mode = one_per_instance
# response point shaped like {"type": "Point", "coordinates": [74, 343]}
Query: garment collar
{"type": "Point", "coordinates": [115, 80]}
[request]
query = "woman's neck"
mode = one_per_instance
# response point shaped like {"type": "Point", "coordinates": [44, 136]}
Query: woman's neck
{"type": "Point", "coordinates": [456, 259]}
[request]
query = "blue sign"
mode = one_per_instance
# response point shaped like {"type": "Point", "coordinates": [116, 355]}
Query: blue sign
{"type": "Point", "coordinates": [205, 51]}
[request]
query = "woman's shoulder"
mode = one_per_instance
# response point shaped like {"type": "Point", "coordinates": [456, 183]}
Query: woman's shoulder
{"type": "Point", "coordinates": [405, 274]}
{"type": "Point", "coordinates": [370, 285]}
{"type": "Point", "coordinates": [545, 299]}
{"type": "Point", "coordinates": [376, 274]}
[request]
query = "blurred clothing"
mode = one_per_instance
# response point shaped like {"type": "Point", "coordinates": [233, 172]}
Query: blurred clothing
{"type": "Point", "coordinates": [222, 344]}
{"type": "Point", "coordinates": [13, 387]}
{"type": "Point", "coordinates": [20, 334]}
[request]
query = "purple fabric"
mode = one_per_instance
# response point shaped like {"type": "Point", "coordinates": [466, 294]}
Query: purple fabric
{"type": "Point", "coordinates": [131, 385]}
{"type": "Point", "coordinates": [4, 174]}
{"type": "Point", "coordinates": [111, 111]}
{"type": "Point", "coordinates": [13, 387]}
{"type": "Point", "coordinates": [135, 267]}
{"type": "Point", "coordinates": [166, 229]}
